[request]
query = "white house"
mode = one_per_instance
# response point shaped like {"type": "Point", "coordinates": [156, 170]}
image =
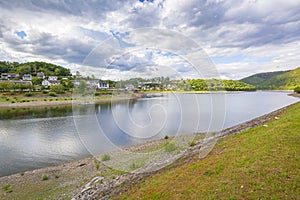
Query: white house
{"type": "Point", "coordinates": [27, 77]}
{"type": "Point", "coordinates": [50, 82]}
{"type": "Point", "coordinates": [46, 83]}
{"type": "Point", "coordinates": [103, 85]}
{"type": "Point", "coordinates": [52, 78]}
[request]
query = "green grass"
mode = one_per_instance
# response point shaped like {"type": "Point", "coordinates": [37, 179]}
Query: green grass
{"type": "Point", "coordinates": [261, 163]}
{"type": "Point", "coordinates": [45, 177]}
{"type": "Point", "coordinates": [105, 157]}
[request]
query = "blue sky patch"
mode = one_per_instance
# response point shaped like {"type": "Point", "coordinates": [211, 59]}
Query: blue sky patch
{"type": "Point", "coordinates": [21, 34]}
{"type": "Point", "coordinates": [240, 58]}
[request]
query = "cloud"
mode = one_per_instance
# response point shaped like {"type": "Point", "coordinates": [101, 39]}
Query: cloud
{"type": "Point", "coordinates": [264, 33]}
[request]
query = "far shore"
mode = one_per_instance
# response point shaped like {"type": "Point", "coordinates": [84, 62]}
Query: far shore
{"type": "Point", "coordinates": [108, 99]}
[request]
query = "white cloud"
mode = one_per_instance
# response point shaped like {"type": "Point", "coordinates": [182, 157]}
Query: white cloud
{"type": "Point", "coordinates": [66, 32]}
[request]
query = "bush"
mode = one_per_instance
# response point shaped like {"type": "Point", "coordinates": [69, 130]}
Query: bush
{"type": "Point", "coordinates": [45, 177]}
{"type": "Point", "coordinates": [28, 94]}
{"type": "Point", "coordinates": [52, 94]}
{"type": "Point", "coordinates": [297, 89]}
{"type": "Point", "coordinates": [56, 176]}
{"type": "Point", "coordinates": [45, 92]}
{"type": "Point", "coordinates": [166, 137]}
{"type": "Point", "coordinates": [105, 157]}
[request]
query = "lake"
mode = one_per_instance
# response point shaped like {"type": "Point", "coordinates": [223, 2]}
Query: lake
{"type": "Point", "coordinates": [33, 138]}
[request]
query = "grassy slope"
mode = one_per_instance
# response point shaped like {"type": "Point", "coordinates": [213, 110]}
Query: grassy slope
{"type": "Point", "coordinates": [261, 163]}
{"type": "Point", "coordinates": [257, 79]}
{"type": "Point", "coordinates": [275, 80]}
{"type": "Point", "coordinates": [287, 80]}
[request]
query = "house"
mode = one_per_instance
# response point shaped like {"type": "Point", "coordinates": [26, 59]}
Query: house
{"type": "Point", "coordinates": [92, 83]}
{"type": "Point", "coordinates": [27, 77]}
{"type": "Point", "coordinates": [76, 82]}
{"type": "Point", "coordinates": [9, 76]}
{"type": "Point", "coordinates": [46, 83]}
{"type": "Point", "coordinates": [21, 82]}
{"type": "Point", "coordinates": [103, 85]}
{"type": "Point", "coordinates": [50, 82]}
{"type": "Point", "coordinates": [54, 82]}
{"type": "Point", "coordinates": [52, 78]}
{"type": "Point", "coordinates": [40, 75]}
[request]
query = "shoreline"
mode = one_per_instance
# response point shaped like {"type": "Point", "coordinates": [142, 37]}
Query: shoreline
{"type": "Point", "coordinates": [77, 174]}
{"type": "Point", "coordinates": [64, 102]}
{"type": "Point", "coordinates": [109, 99]}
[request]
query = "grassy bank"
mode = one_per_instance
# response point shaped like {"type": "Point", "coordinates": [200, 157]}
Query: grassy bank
{"type": "Point", "coordinates": [261, 163]}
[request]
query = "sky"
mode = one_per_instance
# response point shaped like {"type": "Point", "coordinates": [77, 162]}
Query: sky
{"type": "Point", "coordinates": [228, 39]}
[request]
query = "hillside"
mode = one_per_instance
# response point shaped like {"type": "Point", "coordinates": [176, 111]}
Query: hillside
{"type": "Point", "coordinates": [257, 79]}
{"type": "Point", "coordinates": [275, 80]}
{"type": "Point", "coordinates": [32, 68]}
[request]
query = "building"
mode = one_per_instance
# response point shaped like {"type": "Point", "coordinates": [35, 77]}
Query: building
{"type": "Point", "coordinates": [50, 82]}
{"type": "Point", "coordinates": [40, 75]}
{"type": "Point", "coordinates": [52, 78]}
{"type": "Point", "coordinates": [93, 84]}
{"type": "Point", "coordinates": [103, 85]}
{"type": "Point", "coordinates": [9, 76]}
{"type": "Point", "coordinates": [27, 77]}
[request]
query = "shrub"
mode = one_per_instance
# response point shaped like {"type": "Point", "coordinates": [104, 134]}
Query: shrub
{"type": "Point", "coordinates": [56, 176]}
{"type": "Point", "coordinates": [22, 173]}
{"type": "Point", "coordinates": [297, 89]}
{"type": "Point", "coordinates": [45, 177]}
{"type": "Point", "coordinates": [13, 102]}
{"type": "Point", "coordinates": [28, 94]}
{"type": "Point", "coordinates": [52, 94]}
{"type": "Point", "coordinates": [105, 157]}
{"type": "Point", "coordinates": [166, 137]}
{"type": "Point", "coordinates": [45, 92]}
{"type": "Point", "coordinates": [192, 143]}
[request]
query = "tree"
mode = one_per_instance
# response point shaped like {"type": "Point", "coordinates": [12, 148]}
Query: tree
{"type": "Point", "coordinates": [57, 88]}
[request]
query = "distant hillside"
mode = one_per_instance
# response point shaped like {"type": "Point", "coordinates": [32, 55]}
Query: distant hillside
{"type": "Point", "coordinates": [275, 80]}
{"type": "Point", "coordinates": [33, 68]}
{"type": "Point", "coordinates": [257, 79]}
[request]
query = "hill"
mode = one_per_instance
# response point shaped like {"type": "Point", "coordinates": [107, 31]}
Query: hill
{"type": "Point", "coordinates": [275, 80]}
{"type": "Point", "coordinates": [33, 68]}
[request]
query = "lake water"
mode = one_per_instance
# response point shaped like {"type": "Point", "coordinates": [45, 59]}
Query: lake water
{"type": "Point", "coordinates": [39, 137]}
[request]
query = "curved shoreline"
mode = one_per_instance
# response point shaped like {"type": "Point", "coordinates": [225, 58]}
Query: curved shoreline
{"type": "Point", "coordinates": [73, 174]}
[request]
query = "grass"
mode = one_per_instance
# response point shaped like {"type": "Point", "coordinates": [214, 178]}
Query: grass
{"type": "Point", "coordinates": [261, 163]}
{"type": "Point", "coordinates": [97, 165]}
{"type": "Point", "coordinates": [7, 189]}
{"type": "Point", "coordinates": [105, 157]}
{"type": "Point", "coordinates": [45, 177]}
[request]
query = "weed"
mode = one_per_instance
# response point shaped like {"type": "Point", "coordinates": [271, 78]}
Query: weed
{"type": "Point", "coordinates": [105, 157]}
{"type": "Point", "coordinates": [45, 177]}
{"type": "Point", "coordinates": [96, 164]}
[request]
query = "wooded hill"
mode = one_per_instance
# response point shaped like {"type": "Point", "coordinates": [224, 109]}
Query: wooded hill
{"type": "Point", "coordinates": [33, 68]}
{"type": "Point", "coordinates": [275, 80]}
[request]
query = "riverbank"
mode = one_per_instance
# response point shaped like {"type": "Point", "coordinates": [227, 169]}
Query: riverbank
{"type": "Point", "coordinates": [68, 101]}
{"type": "Point", "coordinates": [89, 178]}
